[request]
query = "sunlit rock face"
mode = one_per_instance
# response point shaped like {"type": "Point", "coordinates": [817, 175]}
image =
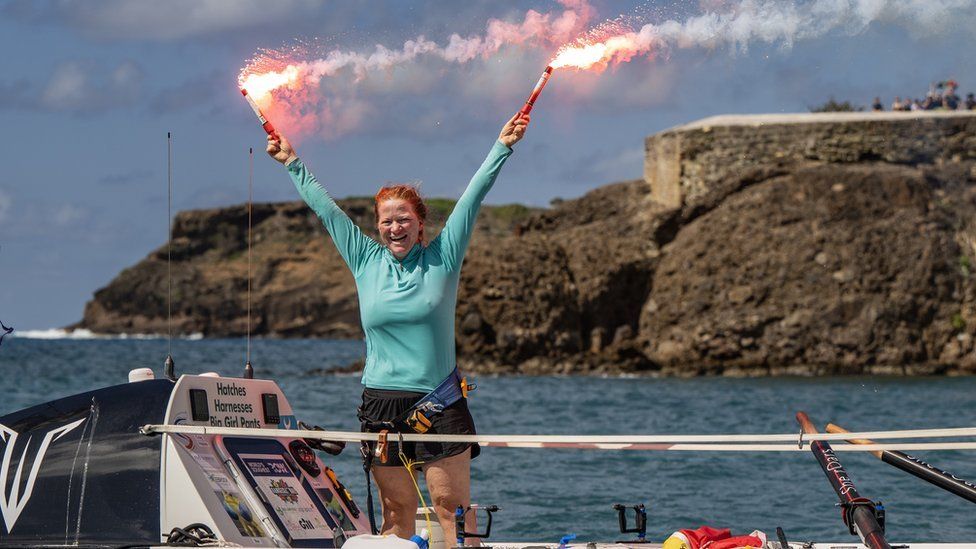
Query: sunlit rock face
{"type": "Point", "coordinates": [814, 243]}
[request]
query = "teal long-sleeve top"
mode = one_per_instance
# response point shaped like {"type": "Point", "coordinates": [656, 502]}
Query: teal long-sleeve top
{"type": "Point", "coordinates": [407, 306]}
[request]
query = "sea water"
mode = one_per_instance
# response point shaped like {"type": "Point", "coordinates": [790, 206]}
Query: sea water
{"type": "Point", "coordinates": [545, 494]}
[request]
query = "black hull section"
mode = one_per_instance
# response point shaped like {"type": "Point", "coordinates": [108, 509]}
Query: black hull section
{"type": "Point", "coordinates": [97, 482]}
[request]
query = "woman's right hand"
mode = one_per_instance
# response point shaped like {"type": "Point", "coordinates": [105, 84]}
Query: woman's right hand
{"type": "Point", "coordinates": [280, 149]}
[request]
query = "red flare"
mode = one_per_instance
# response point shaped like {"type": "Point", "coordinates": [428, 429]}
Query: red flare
{"type": "Point", "coordinates": [257, 111]}
{"type": "Point", "coordinates": [527, 108]}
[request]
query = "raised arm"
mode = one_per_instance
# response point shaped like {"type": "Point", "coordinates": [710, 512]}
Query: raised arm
{"type": "Point", "coordinates": [453, 240]}
{"type": "Point", "coordinates": [353, 245]}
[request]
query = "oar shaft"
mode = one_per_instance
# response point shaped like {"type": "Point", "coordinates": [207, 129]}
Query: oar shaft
{"type": "Point", "coordinates": [832, 467]}
{"type": "Point", "coordinates": [938, 477]}
{"type": "Point", "coordinates": [914, 466]}
{"type": "Point", "coordinates": [865, 523]}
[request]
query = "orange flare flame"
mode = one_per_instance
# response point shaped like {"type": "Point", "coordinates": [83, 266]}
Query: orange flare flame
{"type": "Point", "coordinates": [260, 85]}
{"type": "Point", "coordinates": [582, 55]}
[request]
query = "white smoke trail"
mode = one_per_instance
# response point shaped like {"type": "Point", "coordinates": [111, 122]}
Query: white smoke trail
{"type": "Point", "coordinates": [772, 22]}
{"type": "Point", "coordinates": [300, 107]}
{"type": "Point", "coordinates": [303, 102]}
{"type": "Point", "coordinates": [536, 29]}
{"type": "Point", "coordinates": [739, 25]}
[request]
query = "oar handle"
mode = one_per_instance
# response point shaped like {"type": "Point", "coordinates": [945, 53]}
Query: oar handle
{"type": "Point", "coordinates": [860, 519]}
{"type": "Point", "coordinates": [831, 428]}
{"type": "Point", "coordinates": [805, 424]}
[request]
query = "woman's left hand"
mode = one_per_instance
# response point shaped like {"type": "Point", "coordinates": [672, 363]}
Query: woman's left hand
{"type": "Point", "coordinates": [514, 129]}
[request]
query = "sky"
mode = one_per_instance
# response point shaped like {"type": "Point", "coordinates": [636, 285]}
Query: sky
{"type": "Point", "coordinates": [89, 90]}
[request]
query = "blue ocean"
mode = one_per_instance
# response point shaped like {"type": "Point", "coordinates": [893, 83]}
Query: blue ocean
{"type": "Point", "coordinates": [545, 494]}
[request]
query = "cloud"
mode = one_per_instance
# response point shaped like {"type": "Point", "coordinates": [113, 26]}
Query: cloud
{"type": "Point", "coordinates": [65, 221]}
{"type": "Point", "coordinates": [68, 86]}
{"type": "Point", "coordinates": [192, 93]}
{"type": "Point", "coordinates": [602, 166]}
{"type": "Point", "coordinates": [77, 87]}
{"type": "Point", "coordinates": [151, 20]}
{"type": "Point", "coordinates": [126, 178]}
{"type": "Point", "coordinates": [69, 214]}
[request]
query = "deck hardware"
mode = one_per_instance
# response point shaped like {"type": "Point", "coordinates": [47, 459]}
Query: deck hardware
{"type": "Point", "coordinates": [459, 515]}
{"type": "Point", "coordinates": [199, 408]}
{"type": "Point", "coordinates": [269, 403]}
{"type": "Point", "coordinates": [640, 522]}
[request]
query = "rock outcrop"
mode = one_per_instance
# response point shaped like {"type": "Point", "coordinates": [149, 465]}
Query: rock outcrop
{"type": "Point", "coordinates": [300, 287]}
{"type": "Point", "coordinates": [809, 244]}
{"type": "Point", "coordinates": [837, 243]}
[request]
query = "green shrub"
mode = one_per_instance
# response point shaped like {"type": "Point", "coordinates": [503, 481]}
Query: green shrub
{"type": "Point", "coordinates": [958, 323]}
{"type": "Point", "coordinates": [832, 105]}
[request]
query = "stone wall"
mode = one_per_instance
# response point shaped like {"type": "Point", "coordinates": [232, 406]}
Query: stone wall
{"type": "Point", "coordinates": [685, 164]}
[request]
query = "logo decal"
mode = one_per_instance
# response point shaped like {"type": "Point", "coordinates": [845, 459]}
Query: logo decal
{"type": "Point", "coordinates": [13, 503]}
{"type": "Point", "coordinates": [287, 422]}
{"type": "Point", "coordinates": [281, 489]}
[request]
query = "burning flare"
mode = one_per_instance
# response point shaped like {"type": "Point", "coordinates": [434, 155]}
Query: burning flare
{"type": "Point", "coordinates": [303, 103]}
{"type": "Point", "coordinates": [260, 85]}
{"type": "Point", "coordinates": [582, 56]}
{"type": "Point", "coordinates": [613, 40]}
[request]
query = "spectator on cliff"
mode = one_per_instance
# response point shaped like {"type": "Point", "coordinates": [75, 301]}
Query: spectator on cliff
{"type": "Point", "coordinates": [877, 106]}
{"type": "Point", "coordinates": [970, 102]}
{"type": "Point", "coordinates": [950, 101]}
{"type": "Point", "coordinates": [407, 289]}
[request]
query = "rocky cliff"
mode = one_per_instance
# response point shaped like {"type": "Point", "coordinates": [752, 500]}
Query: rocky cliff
{"type": "Point", "coordinates": [300, 286]}
{"type": "Point", "coordinates": [800, 244]}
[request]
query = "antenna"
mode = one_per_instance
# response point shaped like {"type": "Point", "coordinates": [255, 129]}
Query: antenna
{"type": "Point", "coordinates": [168, 364]}
{"type": "Point", "coordinates": [248, 369]}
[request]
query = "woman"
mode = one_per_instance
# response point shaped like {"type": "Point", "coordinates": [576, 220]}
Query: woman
{"type": "Point", "coordinates": [407, 297]}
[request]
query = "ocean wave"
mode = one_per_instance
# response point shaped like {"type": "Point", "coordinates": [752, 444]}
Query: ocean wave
{"type": "Point", "coordinates": [59, 333]}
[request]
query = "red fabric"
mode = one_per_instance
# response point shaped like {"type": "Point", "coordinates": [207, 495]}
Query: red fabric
{"type": "Point", "coordinates": [737, 541]}
{"type": "Point", "coordinates": [705, 535]}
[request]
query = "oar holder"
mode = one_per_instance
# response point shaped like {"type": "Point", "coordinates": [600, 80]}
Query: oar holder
{"type": "Point", "coordinates": [875, 508]}
{"type": "Point", "coordinates": [640, 522]}
{"type": "Point", "coordinates": [459, 515]}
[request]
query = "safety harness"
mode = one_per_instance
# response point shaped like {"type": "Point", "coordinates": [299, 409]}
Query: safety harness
{"type": "Point", "coordinates": [418, 418]}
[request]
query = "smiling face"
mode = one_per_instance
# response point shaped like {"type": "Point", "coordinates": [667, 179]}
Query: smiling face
{"type": "Point", "coordinates": [399, 226]}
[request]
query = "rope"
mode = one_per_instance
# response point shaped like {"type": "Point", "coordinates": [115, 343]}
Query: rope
{"type": "Point", "coordinates": [619, 442]}
{"type": "Point", "coordinates": [409, 464]}
{"type": "Point", "coordinates": [194, 535]}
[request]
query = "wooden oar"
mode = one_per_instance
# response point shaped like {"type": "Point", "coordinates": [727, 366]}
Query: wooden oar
{"type": "Point", "coordinates": [917, 467]}
{"type": "Point", "coordinates": [858, 511]}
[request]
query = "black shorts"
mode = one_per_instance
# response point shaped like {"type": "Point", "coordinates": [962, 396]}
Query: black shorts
{"type": "Point", "coordinates": [386, 405]}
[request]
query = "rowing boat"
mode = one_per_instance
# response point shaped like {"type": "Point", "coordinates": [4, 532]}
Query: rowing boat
{"type": "Point", "coordinates": [215, 460]}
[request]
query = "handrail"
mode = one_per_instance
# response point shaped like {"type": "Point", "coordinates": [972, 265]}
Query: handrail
{"type": "Point", "coordinates": [719, 442]}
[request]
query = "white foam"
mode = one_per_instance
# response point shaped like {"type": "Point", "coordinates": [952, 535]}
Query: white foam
{"type": "Point", "coordinates": [59, 333]}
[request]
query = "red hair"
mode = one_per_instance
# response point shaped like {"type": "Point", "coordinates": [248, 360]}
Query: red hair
{"type": "Point", "coordinates": [407, 193]}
